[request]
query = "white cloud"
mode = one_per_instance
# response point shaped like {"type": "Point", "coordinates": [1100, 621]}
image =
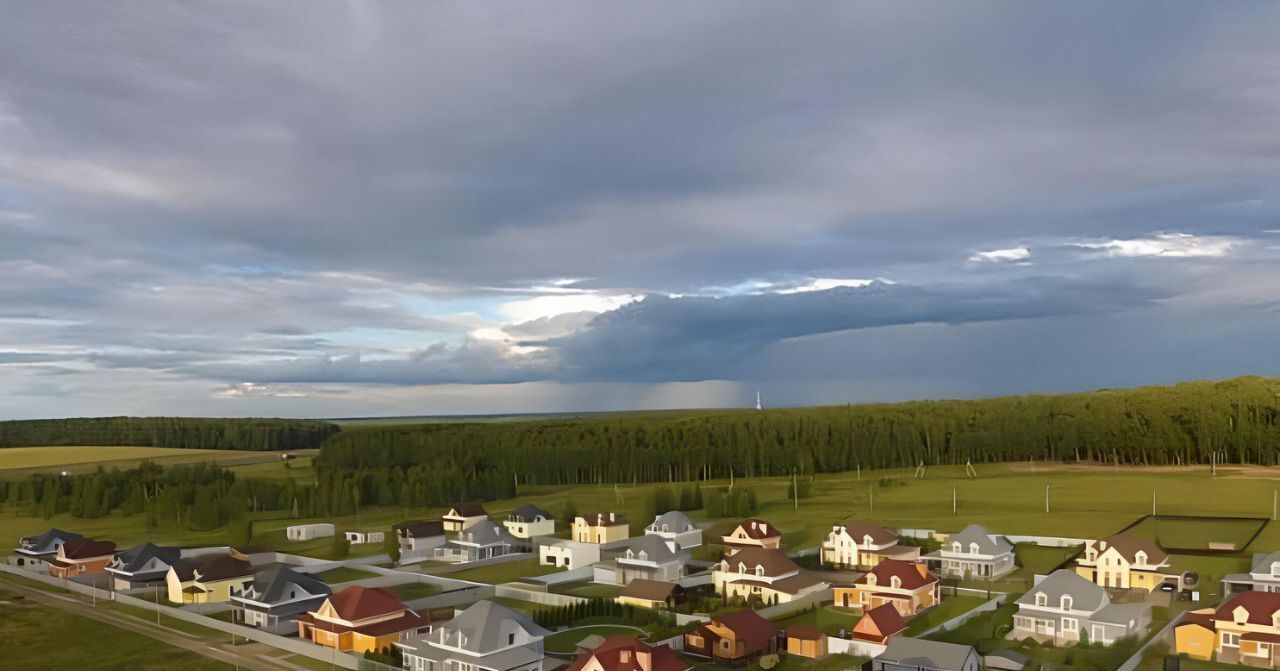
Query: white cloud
{"type": "Point", "coordinates": [824, 283]}
{"type": "Point", "coordinates": [539, 307]}
{"type": "Point", "coordinates": [1171, 245]}
{"type": "Point", "coordinates": [250, 389]}
{"type": "Point", "coordinates": [1002, 255]}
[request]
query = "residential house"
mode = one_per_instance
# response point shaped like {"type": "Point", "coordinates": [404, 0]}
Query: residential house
{"type": "Point", "coordinates": [600, 528]}
{"type": "Point", "coordinates": [482, 540]}
{"type": "Point", "coordinates": [863, 545]}
{"type": "Point", "coordinates": [208, 579]}
{"type": "Point", "coordinates": [567, 553]}
{"type": "Point", "coordinates": [277, 597]}
{"type": "Point", "coordinates": [733, 638]}
{"type": "Point", "coordinates": [82, 557]}
{"type": "Point", "coordinates": [528, 521]}
{"type": "Point", "coordinates": [676, 526]}
{"type": "Point", "coordinates": [877, 625]}
{"type": "Point", "coordinates": [362, 619]}
{"type": "Point", "coordinates": [756, 573]}
{"type": "Point", "coordinates": [1062, 607]}
{"type": "Point", "coordinates": [306, 532]}
{"type": "Point", "coordinates": [1243, 630]}
{"type": "Point", "coordinates": [144, 565]}
{"type": "Point", "coordinates": [484, 636]}
{"type": "Point", "coordinates": [463, 515]}
{"type": "Point", "coordinates": [35, 552]}
{"type": "Point", "coordinates": [804, 641]}
{"type": "Point", "coordinates": [908, 586]}
{"type": "Point", "coordinates": [656, 594]}
{"type": "Point", "coordinates": [364, 537]}
{"type": "Point", "coordinates": [1125, 562]}
{"type": "Point", "coordinates": [1263, 575]}
{"type": "Point", "coordinates": [625, 653]}
{"type": "Point", "coordinates": [752, 533]}
{"type": "Point", "coordinates": [903, 653]}
{"type": "Point", "coordinates": [419, 539]}
{"type": "Point", "coordinates": [974, 552]}
{"type": "Point", "coordinates": [647, 557]}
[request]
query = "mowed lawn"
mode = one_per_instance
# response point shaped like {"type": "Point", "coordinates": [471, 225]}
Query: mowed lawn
{"type": "Point", "coordinates": [508, 571]}
{"type": "Point", "coordinates": [1196, 533]}
{"type": "Point", "coordinates": [567, 640]}
{"type": "Point", "coordinates": [78, 455]}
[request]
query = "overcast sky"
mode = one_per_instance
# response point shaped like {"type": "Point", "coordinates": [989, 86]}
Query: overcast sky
{"type": "Point", "coordinates": [348, 209]}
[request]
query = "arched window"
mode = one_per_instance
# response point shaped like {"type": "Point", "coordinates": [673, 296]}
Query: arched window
{"type": "Point", "coordinates": [895, 582]}
{"type": "Point", "coordinates": [1067, 602]}
{"type": "Point", "coordinates": [1041, 599]}
{"type": "Point", "coordinates": [955, 547]}
{"type": "Point", "coordinates": [973, 548]}
{"type": "Point", "coordinates": [759, 570]}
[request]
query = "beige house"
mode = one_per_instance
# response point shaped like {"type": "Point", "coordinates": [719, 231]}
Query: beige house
{"type": "Point", "coordinates": [1125, 562]}
{"type": "Point", "coordinates": [763, 574]}
{"type": "Point", "coordinates": [463, 515]}
{"type": "Point", "coordinates": [208, 579]}
{"type": "Point", "coordinates": [864, 545]}
{"type": "Point", "coordinates": [908, 586]}
{"type": "Point", "coordinates": [600, 528]}
{"type": "Point", "coordinates": [752, 533]}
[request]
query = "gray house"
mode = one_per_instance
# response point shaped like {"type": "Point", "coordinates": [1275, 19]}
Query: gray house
{"type": "Point", "coordinates": [647, 557]}
{"type": "Point", "coordinates": [676, 526]}
{"type": "Point", "coordinates": [484, 636]}
{"type": "Point", "coordinates": [141, 566]}
{"type": "Point", "coordinates": [1263, 576]}
{"type": "Point", "coordinates": [903, 653]}
{"type": "Point", "coordinates": [35, 552]}
{"type": "Point", "coordinates": [277, 597]}
{"type": "Point", "coordinates": [482, 540]}
{"type": "Point", "coordinates": [974, 552]}
{"type": "Point", "coordinates": [419, 539]}
{"type": "Point", "coordinates": [1063, 607]}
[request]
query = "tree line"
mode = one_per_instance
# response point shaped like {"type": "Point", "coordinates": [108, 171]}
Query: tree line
{"type": "Point", "coordinates": [252, 434]}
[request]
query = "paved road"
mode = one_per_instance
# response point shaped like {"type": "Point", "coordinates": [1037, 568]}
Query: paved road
{"type": "Point", "coordinates": [221, 652]}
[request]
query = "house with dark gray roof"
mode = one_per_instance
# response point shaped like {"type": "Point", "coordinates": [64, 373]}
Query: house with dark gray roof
{"type": "Point", "coordinates": [974, 552]}
{"type": "Point", "coordinates": [528, 521]}
{"type": "Point", "coordinates": [482, 540]}
{"type": "Point", "coordinates": [277, 597]}
{"type": "Point", "coordinates": [141, 566]}
{"type": "Point", "coordinates": [1263, 575]}
{"type": "Point", "coordinates": [1063, 607]}
{"type": "Point", "coordinates": [35, 552]}
{"type": "Point", "coordinates": [484, 636]}
{"type": "Point", "coordinates": [646, 557]}
{"type": "Point", "coordinates": [419, 539]}
{"type": "Point", "coordinates": [903, 653]}
{"type": "Point", "coordinates": [676, 526]}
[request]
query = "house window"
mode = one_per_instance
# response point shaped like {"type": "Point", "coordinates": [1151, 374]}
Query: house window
{"type": "Point", "coordinates": [1042, 600]}
{"type": "Point", "coordinates": [1022, 622]}
{"type": "Point", "coordinates": [725, 643]}
{"type": "Point", "coordinates": [1067, 602]}
{"type": "Point", "coordinates": [695, 640]}
{"type": "Point", "coordinates": [1230, 640]}
{"type": "Point", "coordinates": [955, 547]}
{"type": "Point", "coordinates": [973, 548]}
{"type": "Point", "coordinates": [1275, 569]}
{"type": "Point", "coordinates": [511, 639]}
{"type": "Point", "coordinates": [759, 570]}
{"type": "Point", "coordinates": [1070, 624]}
{"type": "Point", "coordinates": [625, 656]}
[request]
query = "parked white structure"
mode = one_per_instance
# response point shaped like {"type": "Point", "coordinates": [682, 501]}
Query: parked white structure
{"type": "Point", "coordinates": [365, 537]}
{"type": "Point", "coordinates": [306, 532]}
{"type": "Point", "coordinates": [567, 553]}
{"type": "Point", "coordinates": [676, 526]}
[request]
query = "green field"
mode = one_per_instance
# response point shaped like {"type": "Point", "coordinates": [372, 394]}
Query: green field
{"type": "Point", "coordinates": [508, 571]}
{"type": "Point", "coordinates": [79, 458]}
{"type": "Point", "coordinates": [344, 574]}
{"type": "Point", "coordinates": [588, 590]}
{"type": "Point", "coordinates": [950, 608]}
{"type": "Point", "coordinates": [1196, 533]}
{"type": "Point", "coordinates": [829, 619]}
{"type": "Point", "coordinates": [415, 590]}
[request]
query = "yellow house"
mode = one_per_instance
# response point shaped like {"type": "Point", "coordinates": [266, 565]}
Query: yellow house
{"type": "Point", "coordinates": [361, 619]}
{"type": "Point", "coordinates": [1245, 630]}
{"type": "Point", "coordinates": [1195, 635]}
{"type": "Point", "coordinates": [752, 533]}
{"type": "Point", "coordinates": [863, 544]}
{"type": "Point", "coordinates": [764, 575]}
{"type": "Point", "coordinates": [600, 528]}
{"type": "Point", "coordinates": [208, 579]}
{"type": "Point", "coordinates": [1125, 562]}
{"type": "Point", "coordinates": [908, 586]}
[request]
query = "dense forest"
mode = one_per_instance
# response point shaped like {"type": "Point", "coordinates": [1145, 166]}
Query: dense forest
{"type": "Point", "coordinates": [1235, 420]}
{"type": "Point", "coordinates": [184, 432]}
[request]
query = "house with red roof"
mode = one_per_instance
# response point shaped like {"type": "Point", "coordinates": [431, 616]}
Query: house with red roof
{"type": "Point", "coordinates": [362, 619]}
{"type": "Point", "coordinates": [625, 653]}
{"type": "Point", "coordinates": [1243, 630]}
{"type": "Point", "coordinates": [82, 557]}
{"type": "Point", "coordinates": [908, 586]}
{"type": "Point", "coordinates": [733, 638]}
{"type": "Point", "coordinates": [879, 624]}
{"type": "Point", "coordinates": [857, 544]}
{"type": "Point", "coordinates": [752, 533]}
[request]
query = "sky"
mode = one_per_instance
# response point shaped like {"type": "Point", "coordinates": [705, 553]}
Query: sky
{"type": "Point", "coordinates": [338, 209]}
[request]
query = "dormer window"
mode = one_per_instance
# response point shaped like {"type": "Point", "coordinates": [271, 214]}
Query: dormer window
{"type": "Point", "coordinates": [1067, 602]}
{"type": "Point", "coordinates": [871, 579]}
{"type": "Point", "coordinates": [895, 582]}
{"type": "Point", "coordinates": [1275, 569]}
{"type": "Point", "coordinates": [624, 656]}
{"type": "Point", "coordinates": [1091, 555]}
{"type": "Point", "coordinates": [665, 528]}
{"type": "Point", "coordinates": [742, 568]}
{"type": "Point", "coordinates": [759, 570]}
{"type": "Point", "coordinates": [644, 555]}
{"type": "Point", "coordinates": [955, 547]}
{"type": "Point", "coordinates": [1041, 599]}
{"type": "Point", "coordinates": [1140, 557]}
{"type": "Point", "coordinates": [1240, 615]}
{"type": "Point", "coordinates": [973, 548]}
{"type": "Point", "coordinates": [866, 541]}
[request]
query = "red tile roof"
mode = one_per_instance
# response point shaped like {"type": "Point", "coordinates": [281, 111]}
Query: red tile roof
{"type": "Point", "coordinates": [753, 631]}
{"type": "Point", "coordinates": [357, 603]}
{"type": "Point", "coordinates": [912, 574]}
{"type": "Point", "coordinates": [802, 632]}
{"type": "Point", "coordinates": [758, 529]}
{"type": "Point", "coordinates": [886, 619]}
{"type": "Point", "coordinates": [615, 649]}
{"type": "Point", "coordinates": [1259, 605]}
{"type": "Point", "coordinates": [774, 562]}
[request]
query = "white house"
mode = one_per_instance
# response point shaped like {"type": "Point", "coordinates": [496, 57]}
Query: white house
{"type": "Point", "coordinates": [676, 526]}
{"type": "Point", "coordinates": [463, 515]}
{"type": "Point", "coordinates": [365, 537]}
{"type": "Point", "coordinates": [528, 521]}
{"type": "Point", "coordinates": [485, 636]}
{"type": "Point", "coordinates": [306, 532]}
{"type": "Point", "coordinates": [863, 545]}
{"type": "Point", "coordinates": [974, 553]}
{"type": "Point", "coordinates": [567, 553]}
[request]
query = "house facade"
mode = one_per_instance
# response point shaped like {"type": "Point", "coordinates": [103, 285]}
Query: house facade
{"type": "Point", "coordinates": [361, 619]}
{"type": "Point", "coordinates": [276, 598]}
{"type": "Point", "coordinates": [656, 594]}
{"type": "Point", "coordinates": [1263, 575]}
{"type": "Point", "coordinates": [82, 558]}
{"type": "Point", "coordinates": [1125, 562]}
{"type": "Point", "coordinates": [879, 624]}
{"type": "Point", "coordinates": [35, 552]}
{"type": "Point", "coordinates": [907, 586]}
{"type": "Point", "coordinates": [752, 533]}
{"type": "Point", "coordinates": [733, 638]}
{"type": "Point", "coordinates": [567, 553]}
{"type": "Point", "coordinates": [208, 579]}
{"type": "Point", "coordinates": [625, 653]}
{"type": "Point", "coordinates": [141, 566]}
{"type": "Point", "coordinates": [903, 653]}
{"type": "Point", "coordinates": [463, 515]}
{"type": "Point", "coordinates": [364, 537]}
{"type": "Point", "coordinates": [676, 526]}
{"type": "Point", "coordinates": [764, 575]}
{"type": "Point", "coordinates": [647, 557]}
{"type": "Point", "coordinates": [486, 636]}
{"type": "Point", "coordinates": [600, 528]}
{"type": "Point", "coordinates": [419, 539]}
{"type": "Point", "coordinates": [528, 521]}
{"type": "Point", "coordinates": [863, 545]}
{"type": "Point", "coordinates": [1244, 629]}
{"type": "Point", "coordinates": [974, 552]}
{"type": "Point", "coordinates": [1063, 607]}
{"type": "Point", "coordinates": [306, 532]}
{"type": "Point", "coordinates": [482, 540]}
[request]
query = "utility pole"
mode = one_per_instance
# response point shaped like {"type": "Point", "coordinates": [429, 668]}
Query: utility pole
{"type": "Point", "coordinates": [953, 500]}
{"type": "Point", "coordinates": [1153, 502]}
{"type": "Point", "coordinates": [859, 472]}
{"type": "Point", "coordinates": [795, 491]}
{"type": "Point", "coordinates": [871, 497]}
{"type": "Point", "coordinates": [1273, 505]}
{"type": "Point", "coordinates": [1046, 498]}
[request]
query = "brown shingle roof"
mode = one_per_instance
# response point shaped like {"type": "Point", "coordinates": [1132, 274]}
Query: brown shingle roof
{"type": "Point", "coordinates": [753, 631]}
{"type": "Point", "coordinates": [87, 549]}
{"type": "Point", "coordinates": [887, 620]}
{"type": "Point", "coordinates": [468, 510]}
{"type": "Point", "coordinates": [604, 519]}
{"type": "Point", "coordinates": [1128, 546]}
{"type": "Point", "coordinates": [421, 528]}
{"type": "Point", "coordinates": [758, 529]}
{"type": "Point", "coordinates": [879, 535]}
{"type": "Point", "coordinates": [357, 603]}
{"type": "Point", "coordinates": [1259, 605]}
{"type": "Point", "coordinates": [803, 632]}
{"type": "Point", "coordinates": [217, 567]}
{"type": "Point", "coordinates": [649, 590]}
{"type": "Point", "coordinates": [912, 574]}
{"type": "Point", "coordinates": [774, 562]}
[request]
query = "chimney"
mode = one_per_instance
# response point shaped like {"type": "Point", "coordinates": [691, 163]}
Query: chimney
{"type": "Point", "coordinates": [644, 659]}
{"type": "Point", "coordinates": [753, 525]}
{"type": "Point", "coordinates": [923, 570]}
{"type": "Point", "coordinates": [612, 517]}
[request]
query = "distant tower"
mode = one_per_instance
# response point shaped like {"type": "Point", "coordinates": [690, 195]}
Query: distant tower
{"type": "Point", "coordinates": [758, 406]}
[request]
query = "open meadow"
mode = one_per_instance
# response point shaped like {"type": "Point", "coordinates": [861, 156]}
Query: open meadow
{"type": "Point", "coordinates": [21, 461]}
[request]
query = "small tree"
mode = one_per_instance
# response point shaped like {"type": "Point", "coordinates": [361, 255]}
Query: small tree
{"type": "Point", "coordinates": [391, 545]}
{"type": "Point", "coordinates": [341, 546]}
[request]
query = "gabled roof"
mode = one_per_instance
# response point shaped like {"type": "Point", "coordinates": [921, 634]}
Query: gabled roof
{"type": "Point", "coordinates": [1260, 606]}
{"type": "Point", "coordinates": [655, 549]}
{"type": "Point", "coordinates": [271, 584]}
{"type": "Point", "coordinates": [529, 513]}
{"type": "Point", "coordinates": [136, 557]}
{"type": "Point", "coordinates": [879, 535]}
{"type": "Point", "coordinates": [1262, 562]}
{"type": "Point", "coordinates": [358, 603]}
{"type": "Point", "coordinates": [621, 653]}
{"type": "Point", "coordinates": [758, 529]}
{"type": "Point", "coordinates": [649, 590]}
{"type": "Point", "coordinates": [887, 620]}
{"type": "Point", "coordinates": [1128, 546]}
{"type": "Point", "coordinates": [804, 632]}
{"type": "Point", "coordinates": [913, 575]}
{"type": "Point", "coordinates": [472, 509]}
{"type": "Point", "coordinates": [484, 627]}
{"type": "Point", "coordinates": [1197, 619]}
{"type": "Point", "coordinates": [753, 631]}
{"type": "Point", "coordinates": [1085, 595]}
{"type": "Point", "coordinates": [421, 528]}
{"type": "Point", "coordinates": [919, 652]}
{"type": "Point", "coordinates": [85, 548]}
{"type": "Point", "coordinates": [213, 568]}
{"type": "Point", "coordinates": [603, 519]}
{"type": "Point", "coordinates": [49, 537]}
{"type": "Point", "coordinates": [485, 532]}
{"type": "Point", "coordinates": [676, 521]}
{"type": "Point", "coordinates": [988, 543]}
{"type": "Point", "coordinates": [774, 562]}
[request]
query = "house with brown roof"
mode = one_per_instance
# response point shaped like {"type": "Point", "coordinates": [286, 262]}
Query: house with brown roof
{"type": "Point", "coordinates": [463, 515]}
{"type": "Point", "coordinates": [600, 528]}
{"type": "Point", "coordinates": [879, 624]}
{"type": "Point", "coordinates": [362, 619]}
{"type": "Point", "coordinates": [1244, 630]}
{"type": "Point", "coordinates": [208, 578]}
{"type": "Point", "coordinates": [860, 544]}
{"type": "Point", "coordinates": [764, 575]}
{"type": "Point", "coordinates": [418, 539]}
{"type": "Point", "coordinates": [625, 653]}
{"type": "Point", "coordinates": [1124, 561]}
{"type": "Point", "coordinates": [752, 533]}
{"type": "Point", "coordinates": [35, 552]}
{"type": "Point", "coordinates": [658, 594]}
{"type": "Point", "coordinates": [805, 641]}
{"type": "Point", "coordinates": [908, 586]}
{"type": "Point", "coordinates": [733, 638]}
{"type": "Point", "coordinates": [82, 557]}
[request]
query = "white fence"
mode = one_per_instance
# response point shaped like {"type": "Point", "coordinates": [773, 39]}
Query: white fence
{"type": "Point", "coordinates": [849, 646]}
{"type": "Point", "coordinates": [796, 605]}
{"type": "Point", "coordinates": [540, 598]}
